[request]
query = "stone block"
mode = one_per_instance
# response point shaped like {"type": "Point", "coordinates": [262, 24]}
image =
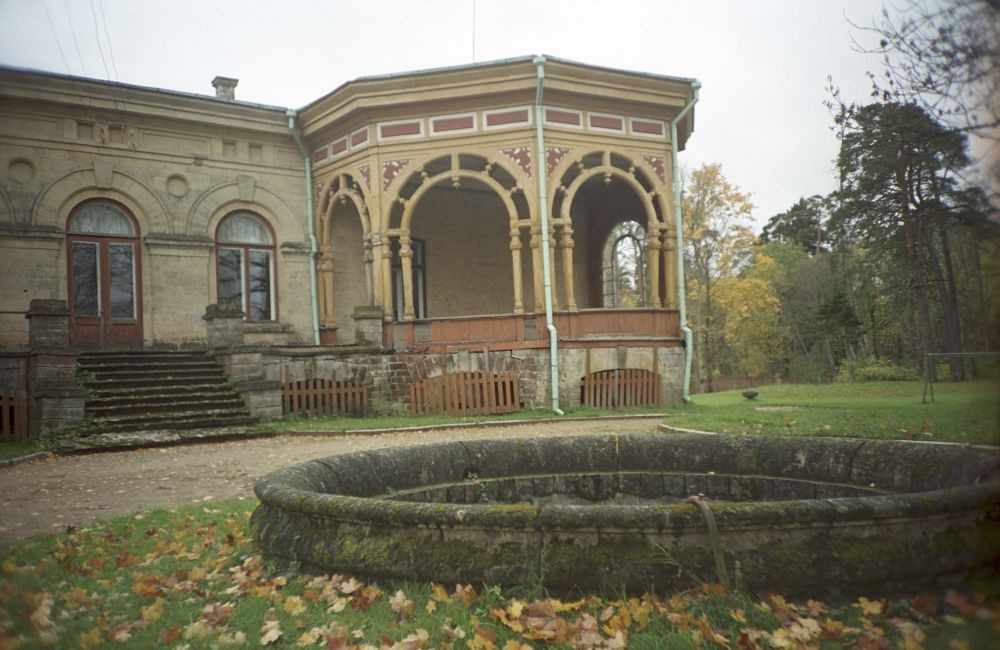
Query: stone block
{"type": "Point", "coordinates": [48, 324]}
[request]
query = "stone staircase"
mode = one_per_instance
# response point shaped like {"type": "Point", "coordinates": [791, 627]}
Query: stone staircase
{"type": "Point", "coordinates": [144, 393]}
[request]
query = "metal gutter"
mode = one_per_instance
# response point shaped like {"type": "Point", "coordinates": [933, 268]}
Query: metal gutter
{"type": "Point", "coordinates": [543, 206]}
{"type": "Point", "coordinates": [679, 232]}
{"type": "Point", "coordinates": [310, 222]}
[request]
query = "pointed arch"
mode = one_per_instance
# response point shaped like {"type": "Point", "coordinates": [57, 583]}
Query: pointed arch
{"type": "Point", "coordinates": [343, 193]}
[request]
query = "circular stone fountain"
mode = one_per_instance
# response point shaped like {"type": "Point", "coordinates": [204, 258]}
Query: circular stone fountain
{"type": "Point", "coordinates": [802, 516]}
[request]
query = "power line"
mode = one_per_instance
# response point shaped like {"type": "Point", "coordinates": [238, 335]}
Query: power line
{"type": "Point", "coordinates": [107, 35]}
{"type": "Point", "coordinates": [76, 44]}
{"type": "Point", "coordinates": [55, 35]}
{"type": "Point", "coordinates": [97, 34]}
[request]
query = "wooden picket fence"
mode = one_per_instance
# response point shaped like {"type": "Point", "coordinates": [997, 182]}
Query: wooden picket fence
{"type": "Point", "coordinates": [324, 397]}
{"type": "Point", "coordinates": [465, 393]}
{"type": "Point", "coordinates": [13, 418]}
{"type": "Point", "coordinates": [611, 389]}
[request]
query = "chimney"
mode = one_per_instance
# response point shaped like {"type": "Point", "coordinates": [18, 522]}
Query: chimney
{"type": "Point", "coordinates": [225, 87]}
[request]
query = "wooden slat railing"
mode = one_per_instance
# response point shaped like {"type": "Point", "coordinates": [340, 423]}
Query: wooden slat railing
{"type": "Point", "coordinates": [465, 393]}
{"type": "Point", "coordinates": [13, 418]}
{"type": "Point", "coordinates": [628, 387]}
{"type": "Point", "coordinates": [323, 397]}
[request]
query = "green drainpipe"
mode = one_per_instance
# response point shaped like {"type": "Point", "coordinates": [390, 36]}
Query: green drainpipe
{"type": "Point", "coordinates": [679, 228]}
{"type": "Point", "coordinates": [310, 224]}
{"type": "Point", "coordinates": [543, 201]}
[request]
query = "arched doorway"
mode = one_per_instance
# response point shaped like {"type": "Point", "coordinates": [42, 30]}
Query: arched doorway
{"type": "Point", "coordinates": [104, 276]}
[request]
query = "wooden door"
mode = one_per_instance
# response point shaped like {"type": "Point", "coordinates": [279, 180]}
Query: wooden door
{"type": "Point", "coordinates": [105, 305]}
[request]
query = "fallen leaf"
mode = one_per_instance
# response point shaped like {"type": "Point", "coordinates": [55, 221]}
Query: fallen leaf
{"type": "Point", "coordinates": [152, 613]}
{"type": "Point", "coordinates": [294, 605]}
{"type": "Point", "coordinates": [869, 607]}
{"type": "Point", "coordinates": [270, 630]}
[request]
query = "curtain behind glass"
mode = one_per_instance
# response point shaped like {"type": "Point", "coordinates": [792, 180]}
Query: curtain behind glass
{"type": "Point", "coordinates": [241, 228]}
{"type": "Point", "coordinates": [101, 218]}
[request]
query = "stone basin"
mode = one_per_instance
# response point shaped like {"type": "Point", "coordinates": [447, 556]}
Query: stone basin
{"type": "Point", "coordinates": [820, 517]}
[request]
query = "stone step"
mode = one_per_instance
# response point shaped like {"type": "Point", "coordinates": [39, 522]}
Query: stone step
{"type": "Point", "coordinates": [104, 411]}
{"type": "Point", "coordinates": [133, 392]}
{"type": "Point", "coordinates": [130, 390]}
{"type": "Point", "coordinates": [187, 420]}
{"type": "Point", "coordinates": [154, 381]}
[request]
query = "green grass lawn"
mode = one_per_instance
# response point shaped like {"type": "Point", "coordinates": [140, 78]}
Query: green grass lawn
{"type": "Point", "coordinates": [339, 424]}
{"type": "Point", "coordinates": [18, 449]}
{"type": "Point", "coordinates": [191, 578]}
{"type": "Point", "coordinates": [967, 412]}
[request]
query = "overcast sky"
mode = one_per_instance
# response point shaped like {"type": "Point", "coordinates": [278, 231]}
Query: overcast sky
{"type": "Point", "coordinates": [763, 64]}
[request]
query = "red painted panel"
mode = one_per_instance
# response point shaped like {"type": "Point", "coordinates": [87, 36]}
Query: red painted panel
{"type": "Point", "coordinates": [359, 137]}
{"type": "Point", "coordinates": [650, 128]}
{"type": "Point", "coordinates": [605, 122]}
{"type": "Point", "coordinates": [562, 117]}
{"type": "Point", "coordinates": [398, 130]}
{"type": "Point", "coordinates": [454, 123]}
{"type": "Point", "coordinates": [507, 117]}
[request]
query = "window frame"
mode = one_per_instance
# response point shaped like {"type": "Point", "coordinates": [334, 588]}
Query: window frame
{"type": "Point", "coordinates": [245, 249]}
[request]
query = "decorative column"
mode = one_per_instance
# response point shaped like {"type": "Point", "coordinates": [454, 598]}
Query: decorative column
{"type": "Point", "coordinates": [566, 244]}
{"type": "Point", "coordinates": [553, 284]}
{"type": "Point", "coordinates": [327, 305]}
{"type": "Point", "coordinates": [368, 242]}
{"type": "Point", "coordinates": [406, 259]}
{"type": "Point", "coordinates": [536, 267]}
{"type": "Point", "coordinates": [386, 266]}
{"type": "Point", "coordinates": [653, 266]}
{"type": "Point", "coordinates": [669, 269]}
{"type": "Point", "coordinates": [515, 260]}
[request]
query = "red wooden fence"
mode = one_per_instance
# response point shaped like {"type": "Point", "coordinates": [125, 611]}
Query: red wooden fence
{"type": "Point", "coordinates": [323, 397]}
{"type": "Point", "coordinates": [609, 389]}
{"type": "Point", "coordinates": [465, 393]}
{"type": "Point", "coordinates": [13, 418]}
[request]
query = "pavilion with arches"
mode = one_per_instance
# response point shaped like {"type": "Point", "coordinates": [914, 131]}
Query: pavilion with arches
{"type": "Point", "coordinates": [514, 218]}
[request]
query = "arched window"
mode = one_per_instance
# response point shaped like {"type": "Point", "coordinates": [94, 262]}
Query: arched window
{"type": "Point", "coordinates": [245, 251]}
{"type": "Point", "coordinates": [624, 266]}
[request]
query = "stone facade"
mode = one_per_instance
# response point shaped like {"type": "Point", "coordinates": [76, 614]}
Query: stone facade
{"type": "Point", "coordinates": [177, 163]}
{"type": "Point", "coordinates": [426, 210]}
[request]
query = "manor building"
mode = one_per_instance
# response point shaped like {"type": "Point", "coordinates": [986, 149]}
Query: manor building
{"type": "Point", "coordinates": [519, 210]}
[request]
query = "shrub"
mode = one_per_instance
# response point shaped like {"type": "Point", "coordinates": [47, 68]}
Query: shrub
{"type": "Point", "coordinates": [877, 370]}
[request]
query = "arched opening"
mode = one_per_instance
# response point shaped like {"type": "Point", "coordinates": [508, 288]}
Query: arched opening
{"type": "Point", "coordinates": [625, 266]}
{"type": "Point", "coordinates": [104, 276]}
{"type": "Point", "coordinates": [610, 258]}
{"type": "Point", "coordinates": [455, 241]}
{"type": "Point", "coordinates": [460, 252]}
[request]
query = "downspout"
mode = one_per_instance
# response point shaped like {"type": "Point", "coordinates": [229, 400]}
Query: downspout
{"type": "Point", "coordinates": [310, 222]}
{"type": "Point", "coordinates": [543, 203]}
{"type": "Point", "coordinates": [679, 232]}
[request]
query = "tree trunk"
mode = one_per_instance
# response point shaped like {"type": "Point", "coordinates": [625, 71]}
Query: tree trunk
{"type": "Point", "coordinates": [915, 267]}
{"type": "Point", "coordinates": [949, 307]}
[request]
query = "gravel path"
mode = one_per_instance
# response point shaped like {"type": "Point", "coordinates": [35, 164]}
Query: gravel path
{"type": "Point", "coordinates": [47, 495]}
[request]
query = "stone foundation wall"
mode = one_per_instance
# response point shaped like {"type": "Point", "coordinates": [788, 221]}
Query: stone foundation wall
{"type": "Point", "coordinates": [389, 375]}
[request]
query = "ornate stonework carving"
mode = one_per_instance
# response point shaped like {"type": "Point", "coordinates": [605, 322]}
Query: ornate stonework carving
{"type": "Point", "coordinates": [521, 157]}
{"type": "Point", "coordinates": [390, 170]}
{"type": "Point", "coordinates": [553, 156]}
{"type": "Point", "coordinates": [366, 173]}
{"type": "Point", "coordinates": [659, 166]}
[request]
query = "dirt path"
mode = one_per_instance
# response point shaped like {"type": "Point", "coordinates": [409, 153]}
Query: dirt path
{"type": "Point", "coordinates": [46, 496]}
